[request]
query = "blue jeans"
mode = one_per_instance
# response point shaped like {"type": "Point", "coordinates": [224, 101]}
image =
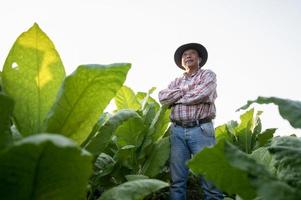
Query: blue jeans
{"type": "Point", "coordinates": [184, 143]}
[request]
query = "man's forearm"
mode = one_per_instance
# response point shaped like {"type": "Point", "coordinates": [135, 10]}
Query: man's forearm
{"type": "Point", "coordinates": [170, 96]}
{"type": "Point", "coordinates": [203, 94]}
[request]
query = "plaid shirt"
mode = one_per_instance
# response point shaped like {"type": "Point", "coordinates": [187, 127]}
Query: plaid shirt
{"type": "Point", "coordinates": [191, 97]}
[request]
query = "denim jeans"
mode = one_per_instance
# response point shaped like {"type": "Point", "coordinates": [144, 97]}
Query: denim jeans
{"type": "Point", "coordinates": [184, 143]}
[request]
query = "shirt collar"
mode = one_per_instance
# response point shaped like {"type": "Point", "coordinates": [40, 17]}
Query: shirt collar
{"type": "Point", "coordinates": [192, 75]}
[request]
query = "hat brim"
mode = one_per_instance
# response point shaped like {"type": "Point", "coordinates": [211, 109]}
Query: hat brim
{"type": "Point", "coordinates": [196, 46]}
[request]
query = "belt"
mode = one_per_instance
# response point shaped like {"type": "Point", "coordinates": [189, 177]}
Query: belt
{"type": "Point", "coordinates": [192, 123]}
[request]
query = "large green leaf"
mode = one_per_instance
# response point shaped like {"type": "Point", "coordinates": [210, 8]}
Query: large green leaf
{"type": "Point", "coordinates": [6, 109]}
{"type": "Point", "coordinates": [254, 175]}
{"type": "Point", "coordinates": [32, 75]}
{"type": "Point", "coordinates": [133, 190]}
{"type": "Point", "coordinates": [129, 133]}
{"type": "Point", "coordinates": [101, 121]}
{"type": "Point", "coordinates": [276, 190]}
{"type": "Point", "coordinates": [157, 158]}
{"type": "Point", "coordinates": [287, 155]}
{"type": "Point", "coordinates": [126, 99]}
{"type": "Point", "coordinates": [99, 142]}
{"type": "Point", "coordinates": [266, 184]}
{"type": "Point", "coordinates": [262, 156]}
{"type": "Point", "coordinates": [44, 166]}
{"type": "Point", "coordinates": [245, 162]}
{"type": "Point", "coordinates": [83, 97]}
{"type": "Point", "coordinates": [214, 165]}
{"type": "Point", "coordinates": [288, 109]}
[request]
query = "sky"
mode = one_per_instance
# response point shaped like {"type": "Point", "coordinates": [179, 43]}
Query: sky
{"type": "Point", "coordinates": [253, 45]}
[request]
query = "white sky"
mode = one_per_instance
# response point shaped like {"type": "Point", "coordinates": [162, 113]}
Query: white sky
{"type": "Point", "coordinates": [253, 45]}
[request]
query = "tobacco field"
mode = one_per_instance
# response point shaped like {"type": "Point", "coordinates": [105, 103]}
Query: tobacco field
{"type": "Point", "coordinates": [57, 142]}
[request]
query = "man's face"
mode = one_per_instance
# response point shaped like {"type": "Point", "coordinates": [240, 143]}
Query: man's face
{"type": "Point", "coordinates": [190, 59]}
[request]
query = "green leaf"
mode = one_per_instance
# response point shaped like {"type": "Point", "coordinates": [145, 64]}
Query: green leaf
{"type": "Point", "coordinates": [101, 121]}
{"type": "Point", "coordinates": [244, 131]}
{"type": "Point", "coordinates": [157, 158]}
{"type": "Point", "coordinates": [133, 190]}
{"type": "Point", "coordinates": [129, 133]}
{"type": "Point", "coordinates": [266, 184]}
{"type": "Point", "coordinates": [103, 165]}
{"type": "Point", "coordinates": [6, 109]}
{"type": "Point", "coordinates": [145, 99]}
{"type": "Point", "coordinates": [221, 133]}
{"type": "Point", "coordinates": [149, 106]}
{"type": "Point", "coordinates": [276, 190]}
{"type": "Point", "coordinates": [258, 125]}
{"type": "Point", "coordinates": [132, 177]}
{"type": "Point", "coordinates": [0, 81]}
{"type": "Point", "coordinates": [156, 131]}
{"type": "Point", "coordinates": [44, 166]}
{"type": "Point", "coordinates": [246, 120]}
{"type": "Point", "coordinates": [83, 97]}
{"type": "Point", "coordinates": [244, 162]}
{"type": "Point", "coordinates": [288, 109]}
{"type": "Point", "coordinates": [256, 130]}
{"type": "Point", "coordinates": [148, 114]}
{"type": "Point", "coordinates": [160, 123]}
{"type": "Point", "coordinates": [102, 174]}
{"type": "Point", "coordinates": [286, 152]}
{"type": "Point", "coordinates": [262, 156]}
{"type": "Point", "coordinates": [126, 99]}
{"type": "Point", "coordinates": [213, 164]}
{"type": "Point", "coordinates": [231, 126]}
{"type": "Point", "coordinates": [150, 91]}
{"type": "Point", "coordinates": [32, 75]}
{"type": "Point", "coordinates": [254, 174]}
{"type": "Point", "coordinates": [126, 157]}
{"type": "Point", "coordinates": [245, 135]}
{"type": "Point", "coordinates": [264, 137]}
{"type": "Point", "coordinates": [99, 142]}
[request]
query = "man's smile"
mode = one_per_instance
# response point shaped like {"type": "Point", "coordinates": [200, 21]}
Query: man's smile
{"type": "Point", "coordinates": [189, 61]}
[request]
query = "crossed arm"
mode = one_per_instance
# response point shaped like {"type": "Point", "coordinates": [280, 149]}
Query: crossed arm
{"type": "Point", "coordinates": [201, 91]}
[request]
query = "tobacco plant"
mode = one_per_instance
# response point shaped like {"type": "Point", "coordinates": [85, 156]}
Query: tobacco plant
{"type": "Point", "coordinates": [46, 116]}
{"type": "Point", "coordinates": [269, 168]}
{"type": "Point", "coordinates": [133, 143]}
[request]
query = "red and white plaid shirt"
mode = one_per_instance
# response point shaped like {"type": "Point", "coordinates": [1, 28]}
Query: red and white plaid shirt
{"type": "Point", "coordinates": [191, 97]}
